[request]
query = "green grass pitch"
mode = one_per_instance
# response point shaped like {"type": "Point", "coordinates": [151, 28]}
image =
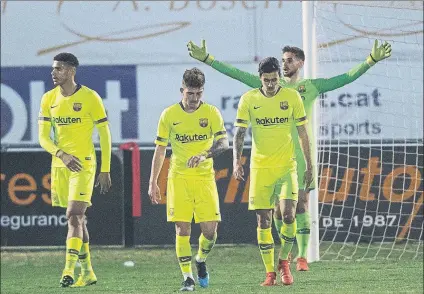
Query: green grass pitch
{"type": "Point", "coordinates": [232, 270]}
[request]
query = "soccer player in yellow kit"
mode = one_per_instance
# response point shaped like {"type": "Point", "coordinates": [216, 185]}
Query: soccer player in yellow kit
{"type": "Point", "coordinates": [73, 110]}
{"type": "Point", "coordinates": [272, 111]}
{"type": "Point", "coordinates": [197, 135]}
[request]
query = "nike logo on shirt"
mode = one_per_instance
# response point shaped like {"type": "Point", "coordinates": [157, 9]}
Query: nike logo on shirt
{"type": "Point", "coordinates": [256, 107]}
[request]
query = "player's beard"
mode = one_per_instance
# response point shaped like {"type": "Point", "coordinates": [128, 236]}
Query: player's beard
{"type": "Point", "coordinates": [289, 73]}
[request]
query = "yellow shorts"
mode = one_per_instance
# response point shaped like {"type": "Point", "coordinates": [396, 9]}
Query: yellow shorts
{"type": "Point", "coordinates": [71, 186]}
{"type": "Point", "coordinates": [192, 195]}
{"type": "Point", "coordinates": [267, 185]}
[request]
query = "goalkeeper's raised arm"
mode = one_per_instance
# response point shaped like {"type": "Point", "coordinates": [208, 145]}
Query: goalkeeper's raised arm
{"type": "Point", "coordinates": [377, 54]}
{"type": "Point", "coordinates": [322, 85]}
{"type": "Point", "coordinates": [201, 54]}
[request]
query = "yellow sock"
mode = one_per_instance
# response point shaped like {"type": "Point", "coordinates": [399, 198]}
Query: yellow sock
{"type": "Point", "coordinates": [183, 249]}
{"type": "Point", "coordinates": [266, 246]}
{"type": "Point", "coordinates": [73, 246]}
{"type": "Point", "coordinates": [205, 246]}
{"type": "Point", "coordinates": [85, 258]}
{"type": "Point", "coordinates": [287, 237]}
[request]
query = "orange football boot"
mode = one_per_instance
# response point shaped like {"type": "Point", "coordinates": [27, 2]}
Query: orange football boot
{"type": "Point", "coordinates": [285, 274]}
{"type": "Point", "coordinates": [302, 264]}
{"type": "Point", "coordinates": [270, 279]}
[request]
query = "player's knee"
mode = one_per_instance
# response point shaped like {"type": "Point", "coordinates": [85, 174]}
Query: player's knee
{"type": "Point", "coordinates": [209, 234]}
{"type": "Point", "coordinates": [302, 204]}
{"type": "Point", "coordinates": [264, 222]}
{"type": "Point", "coordinates": [302, 207]}
{"type": "Point", "coordinates": [182, 229]}
{"type": "Point", "coordinates": [288, 217]}
{"type": "Point", "coordinates": [68, 214]}
{"type": "Point", "coordinates": [75, 220]}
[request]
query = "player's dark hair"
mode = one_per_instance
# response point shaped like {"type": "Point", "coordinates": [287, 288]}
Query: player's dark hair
{"type": "Point", "coordinates": [68, 58]}
{"type": "Point", "coordinates": [296, 51]}
{"type": "Point", "coordinates": [268, 65]}
{"type": "Point", "coordinates": [194, 78]}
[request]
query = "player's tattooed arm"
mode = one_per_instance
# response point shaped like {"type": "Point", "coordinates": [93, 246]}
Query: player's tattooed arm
{"type": "Point", "coordinates": [238, 143]}
{"type": "Point", "coordinates": [218, 147]}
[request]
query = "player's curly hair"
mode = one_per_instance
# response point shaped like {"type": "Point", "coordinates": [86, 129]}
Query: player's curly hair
{"type": "Point", "coordinates": [268, 65]}
{"type": "Point", "coordinates": [68, 58]}
{"type": "Point", "coordinates": [194, 78]}
{"type": "Point", "coordinates": [296, 51]}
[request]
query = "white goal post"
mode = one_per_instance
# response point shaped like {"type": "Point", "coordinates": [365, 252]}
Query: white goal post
{"type": "Point", "coordinates": [369, 200]}
{"type": "Point", "coordinates": [310, 49]}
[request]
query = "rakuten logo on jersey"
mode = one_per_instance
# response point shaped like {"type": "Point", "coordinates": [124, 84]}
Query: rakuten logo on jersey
{"type": "Point", "coordinates": [272, 121]}
{"type": "Point", "coordinates": [66, 120]}
{"type": "Point", "coordinates": [184, 138]}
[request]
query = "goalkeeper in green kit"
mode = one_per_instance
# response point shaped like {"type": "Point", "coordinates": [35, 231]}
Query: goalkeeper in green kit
{"type": "Point", "coordinates": [309, 89]}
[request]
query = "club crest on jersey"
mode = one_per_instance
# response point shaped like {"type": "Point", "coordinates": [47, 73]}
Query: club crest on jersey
{"type": "Point", "coordinates": [203, 122]}
{"type": "Point", "coordinates": [301, 89]}
{"type": "Point", "coordinates": [77, 106]}
{"type": "Point", "coordinates": [284, 105]}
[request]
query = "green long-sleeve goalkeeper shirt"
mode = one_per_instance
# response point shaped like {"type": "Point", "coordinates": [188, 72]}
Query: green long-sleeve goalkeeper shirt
{"type": "Point", "coordinates": [309, 89]}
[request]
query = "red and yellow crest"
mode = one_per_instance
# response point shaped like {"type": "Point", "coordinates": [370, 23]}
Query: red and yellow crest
{"type": "Point", "coordinates": [284, 105]}
{"type": "Point", "coordinates": [203, 122]}
{"type": "Point", "coordinates": [77, 106]}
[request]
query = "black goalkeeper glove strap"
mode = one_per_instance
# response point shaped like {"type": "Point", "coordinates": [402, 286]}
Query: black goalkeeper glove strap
{"type": "Point", "coordinates": [373, 58]}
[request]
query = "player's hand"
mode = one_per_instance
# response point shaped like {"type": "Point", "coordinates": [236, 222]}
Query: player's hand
{"type": "Point", "coordinates": [379, 53]}
{"type": "Point", "coordinates": [238, 171]}
{"type": "Point", "coordinates": [200, 53]}
{"type": "Point", "coordinates": [194, 161]}
{"type": "Point", "coordinates": [70, 161]}
{"type": "Point", "coordinates": [308, 177]}
{"type": "Point", "coordinates": [154, 193]}
{"type": "Point", "coordinates": [104, 181]}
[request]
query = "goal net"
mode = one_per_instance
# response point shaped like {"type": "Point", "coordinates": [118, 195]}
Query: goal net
{"type": "Point", "coordinates": [371, 131]}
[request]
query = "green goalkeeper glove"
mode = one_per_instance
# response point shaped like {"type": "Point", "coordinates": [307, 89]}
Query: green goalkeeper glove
{"type": "Point", "coordinates": [379, 53]}
{"type": "Point", "coordinates": [200, 53]}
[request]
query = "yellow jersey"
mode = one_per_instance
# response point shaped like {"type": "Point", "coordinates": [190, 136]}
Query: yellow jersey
{"type": "Point", "coordinates": [190, 134]}
{"type": "Point", "coordinates": [272, 119]}
{"type": "Point", "coordinates": [73, 119]}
